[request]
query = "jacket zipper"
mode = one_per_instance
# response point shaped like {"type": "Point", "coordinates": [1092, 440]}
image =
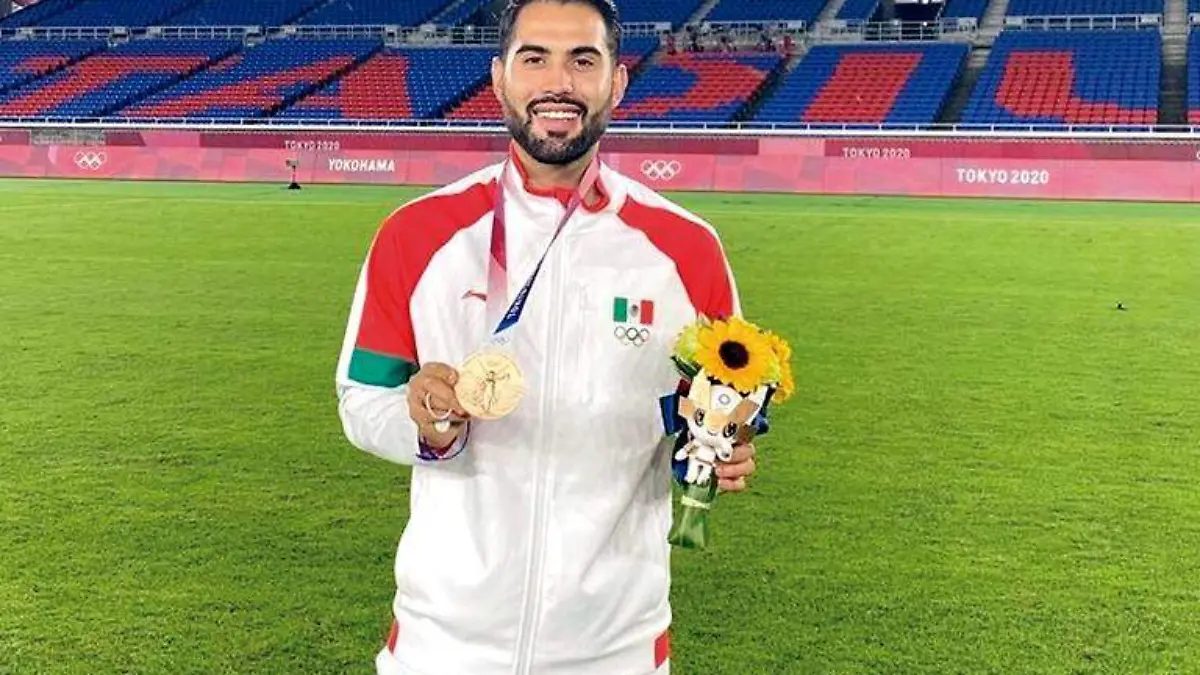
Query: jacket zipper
{"type": "Point", "coordinates": [532, 604]}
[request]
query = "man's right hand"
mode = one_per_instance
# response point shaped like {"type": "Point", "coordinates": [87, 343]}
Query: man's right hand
{"type": "Point", "coordinates": [435, 381]}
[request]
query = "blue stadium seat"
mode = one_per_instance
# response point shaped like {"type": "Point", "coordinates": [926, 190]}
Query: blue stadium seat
{"type": "Point", "coordinates": [1193, 77]}
{"type": "Point", "coordinates": [114, 78]}
{"type": "Point", "coordinates": [481, 104]}
{"type": "Point", "coordinates": [857, 10]}
{"type": "Point", "coordinates": [462, 12]}
{"type": "Point", "coordinates": [256, 81]}
{"type": "Point", "coordinates": [708, 87]}
{"type": "Point", "coordinates": [23, 60]}
{"type": "Point", "coordinates": [1083, 7]}
{"type": "Point", "coordinates": [243, 13]}
{"type": "Point", "coordinates": [767, 10]}
{"type": "Point", "coordinates": [399, 84]}
{"type": "Point", "coordinates": [130, 13]}
{"type": "Point", "coordinates": [1069, 77]}
{"type": "Point", "coordinates": [965, 9]}
{"type": "Point", "coordinates": [375, 12]}
{"type": "Point", "coordinates": [34, 14]}
{"type": "Point", "coordinates": [867, 84]}
{"type": "Point", "coordinates": [675, 12]}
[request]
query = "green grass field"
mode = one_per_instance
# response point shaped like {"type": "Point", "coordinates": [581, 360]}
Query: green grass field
{"type": "Point", "coordinates": [989, 468]}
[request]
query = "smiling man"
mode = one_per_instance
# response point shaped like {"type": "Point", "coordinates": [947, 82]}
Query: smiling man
{"type": "Point", "coordinates": [510, 339]}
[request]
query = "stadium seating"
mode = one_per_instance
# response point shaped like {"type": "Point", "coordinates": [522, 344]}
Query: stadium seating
{"type": "Point", "coordinates": [481, 104]}
{"type": "Point", "coordinates": [1032, 77]}
{"type": "Point", "coordinates": [1193, 78]}
{"type": "Point", "coordinates": [130, 13]}
{"type": "Point", "coordinates": [22, 61]}
{"type": "Point", "coordinates": [1082, 77]}
{"type": "Point", "coordinates": [111, 79]}
{"type": "Point", "coordinates": [243, 12]}
{"type": "Point", "coordinates": [867, 84]}
{"type": "Point", "coordinates": [675, 12]}
{"type": "Point", "coordinates": [1193, 6]}
{"type": "Point", "coordinates": [462, 12]}
{"type": "Point", "coordinates": [767, 10]}
{"type": "Point", "coordinates": [965, 9]}
{"type": "Point", "coordinates": [375, 12]}
{"type": "Point", "coordinates": [33, 14]}
{"type": "Point", "coordinates": [397, 84]}
{"type": "Point", "coordinates": [706, 87]}
{"type": "Point", "coordinates": [257, 81]}
{"type": "Point", "coordinates": [857, 10]}
{"type": "Point", "coordinates": [1083, 7]}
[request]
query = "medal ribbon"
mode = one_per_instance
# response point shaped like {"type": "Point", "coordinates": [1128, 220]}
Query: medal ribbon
{"type": "Point", "coordinates": [497, 293]}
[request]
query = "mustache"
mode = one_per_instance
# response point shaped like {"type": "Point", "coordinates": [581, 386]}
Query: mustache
{"type": "Point", "coordinates": [562, 100]}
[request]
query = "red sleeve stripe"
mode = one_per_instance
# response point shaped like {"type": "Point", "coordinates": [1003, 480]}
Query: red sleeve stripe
{"type": "Point", "coordinates": [403, 247]}
{"type": "Point", "coordinates": [696, 251]}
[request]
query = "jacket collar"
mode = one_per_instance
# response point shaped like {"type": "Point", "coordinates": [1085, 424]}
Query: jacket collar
{"type": "Point", "coordinates": [594, 203]}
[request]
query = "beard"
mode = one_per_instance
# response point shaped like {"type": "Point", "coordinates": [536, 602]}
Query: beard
{"type": "Point", "coordinates": [556, 151]}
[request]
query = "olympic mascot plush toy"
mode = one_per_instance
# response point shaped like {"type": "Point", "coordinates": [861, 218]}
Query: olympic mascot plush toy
{"type": "Point", "coordinates": [732, 370]}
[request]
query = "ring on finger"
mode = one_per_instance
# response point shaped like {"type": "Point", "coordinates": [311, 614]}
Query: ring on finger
{"type": "Point", "coordinates": [442, 416]}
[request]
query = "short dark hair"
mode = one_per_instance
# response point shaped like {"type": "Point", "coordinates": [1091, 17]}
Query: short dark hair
{"type": "Point", "coordinates": [607, 9]}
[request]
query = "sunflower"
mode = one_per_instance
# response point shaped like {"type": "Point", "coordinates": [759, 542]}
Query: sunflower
{"type": "Point", "coordinates": [783, 356]}
{"type": "Point", "coordinates": [735, 353]}
{"type": "Point", "coordinates": [786, 386]}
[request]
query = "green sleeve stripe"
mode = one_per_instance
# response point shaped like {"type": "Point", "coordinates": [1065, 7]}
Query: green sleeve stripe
{"type": "Point", "coordinates": [379, 370]}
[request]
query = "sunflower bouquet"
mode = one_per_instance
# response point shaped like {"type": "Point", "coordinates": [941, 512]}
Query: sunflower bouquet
{"type": "Point", "coordinates": [732, 370]}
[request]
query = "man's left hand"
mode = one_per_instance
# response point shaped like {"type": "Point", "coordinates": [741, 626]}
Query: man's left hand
{"type": "Point", "coordinates": [732, 474]}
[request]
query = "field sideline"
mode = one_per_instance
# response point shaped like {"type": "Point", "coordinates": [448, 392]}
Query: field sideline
{"type": "Point", "coordinates": [989, 467]}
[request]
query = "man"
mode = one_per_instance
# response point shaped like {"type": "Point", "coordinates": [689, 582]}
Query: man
{"type": "Point", "coordinates": [537, 543]}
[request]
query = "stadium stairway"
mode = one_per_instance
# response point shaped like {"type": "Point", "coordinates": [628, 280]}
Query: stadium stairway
{"type": "Point", "coordinates": [23, 62]}
{"type": "Point", "coordinates": [830, 12]}
{"type": "Point", "coordinates": [1173, 97]}
{"type": "Point", "coordinates": [960, 95]}
{"type": "Point", "coordinates": [703, 11]}
{"type": "Point", "coordinates": [312, 10]}
{"type": "Point", "coordinates": [457, 12]}
{"type": "Point", "coordinates": [993, 19]}
{"type": "Point", "coordinates": [398, 83]}
{"type": "Point", "coordinates": [867, 84]}
{"type": "Point", "coordinates": [773, 81]}
{"type": "Point", "coordinates": [37, 13]}
{"type": "Point", "coordinates": [114, 78]}
{"type": "Point", "coordinates": [258, 81]}
{"type": "Point", "coordinates": [244, 13]}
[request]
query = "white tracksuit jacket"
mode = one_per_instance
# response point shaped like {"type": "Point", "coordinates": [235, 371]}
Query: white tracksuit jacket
{"type": "Point", "coordinates": [538, 545]}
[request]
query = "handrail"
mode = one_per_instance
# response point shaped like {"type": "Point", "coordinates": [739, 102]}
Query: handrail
{"type": "Point", "coordinates": [489, 34]}
{"type": "Point", "coordinates": [1085, 22]}
{"type": "Point", "coordinates": [1109, 132]}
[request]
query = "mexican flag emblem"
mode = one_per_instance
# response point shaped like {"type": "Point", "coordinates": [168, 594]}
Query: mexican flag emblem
{"type": "Point", "coordinates": [633, 311]}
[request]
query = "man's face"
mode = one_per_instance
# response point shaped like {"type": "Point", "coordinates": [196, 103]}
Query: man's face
{"type": "Point", "coordinates": [557, 83]}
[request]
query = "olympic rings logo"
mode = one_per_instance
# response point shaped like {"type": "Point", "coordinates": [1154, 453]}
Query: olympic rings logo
{"type": "Point", "coordinates": [90, 161]}
{"type": "Point", "coordinates": [661, 169]}
{"type": "Point", "coordinates": [631, 335]}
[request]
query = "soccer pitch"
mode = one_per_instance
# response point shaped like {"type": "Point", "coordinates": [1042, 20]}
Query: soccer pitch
{"type": "Point", "coordinates": [988, 468]}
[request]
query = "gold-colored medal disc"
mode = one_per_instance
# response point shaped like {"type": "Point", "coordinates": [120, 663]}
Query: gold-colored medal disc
{"type": "Point", "coordinates": [490, 385]}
